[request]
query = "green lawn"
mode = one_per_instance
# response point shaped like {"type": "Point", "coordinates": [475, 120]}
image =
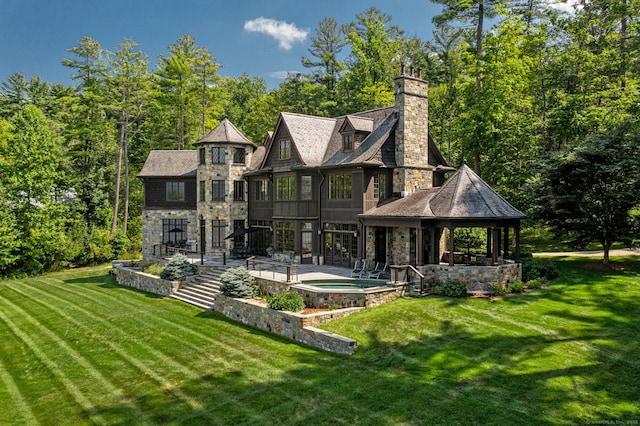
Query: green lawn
{"type": "Point", "coordinates": [76, 348]}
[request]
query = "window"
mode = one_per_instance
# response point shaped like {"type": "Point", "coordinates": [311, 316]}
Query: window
{"type": "Point", "coordinates": [380, 186]}
{"type": "Point", "coordinates": [238, 190]}
{"type": "Point", "coordinates": [238, 156]}
{"type": "Point", "coordinates": [203, 191]}
{"type": "Point", "coordinates": [340, 187]}
{"type": "Point", "coordinates": [175, 191]}
{"type": "Point", "coordinates": [347, 142]}
{"type": "Point", "coordinates": [305, 188]}
{"type": "Point", "coordinates": [285, 149]}
{"type": "Point", "coordinates": [285, 188]}
{"type": "Point", "coordinates": [217, 155]}
{"type": "Point", "coordinates": [218, 233]}
{"type": "Point", "coordinates": [174, 231]}
{"type": "Point", "coordinates": [284, 236]}
{"type": "Point", "coordinates": [201, 155]}
{"type": "Point", "coordinates": [262, 190]}
{"type": "Point", "coordinates": [217, 190]}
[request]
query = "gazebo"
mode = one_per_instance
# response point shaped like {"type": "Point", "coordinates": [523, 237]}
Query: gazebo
{"type": "Point", "coordinates": [464, 201]}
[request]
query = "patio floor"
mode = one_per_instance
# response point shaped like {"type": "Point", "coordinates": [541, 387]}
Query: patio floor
{"type": "Point", "coordinates": [305, 271]}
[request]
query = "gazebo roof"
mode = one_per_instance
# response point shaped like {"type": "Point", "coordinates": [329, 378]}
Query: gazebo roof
{"type": "Point", "coordinates": [466, 196]}
{"type": "Point", "coordinates": [463, 197]}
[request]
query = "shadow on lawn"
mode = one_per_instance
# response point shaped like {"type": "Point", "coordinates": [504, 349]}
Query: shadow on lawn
{"type": "Point", "coordinates": [109, 281]}
{"type": "Point", "coordinates": [451, 377]}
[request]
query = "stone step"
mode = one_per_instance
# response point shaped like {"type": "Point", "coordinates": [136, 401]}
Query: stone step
{"type": "Point", "coordinates": [199, 293]}
{"type": "Point", "coordinates": [192, 301]}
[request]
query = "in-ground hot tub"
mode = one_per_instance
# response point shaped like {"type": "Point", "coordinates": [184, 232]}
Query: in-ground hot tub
{"type": "Point", "coordinates": [345, 293]}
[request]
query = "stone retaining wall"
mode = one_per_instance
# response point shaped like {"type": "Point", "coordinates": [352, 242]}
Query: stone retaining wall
{"type": "Point", "coordinates": [145, 282]}
{"type": "Point", "coordinates": [502, 274]}
{"type": "Point", "coordinates": [327, 299]}
{"type": "Point", "coordinates": [272, 287]}
{"type": "Point", "coordinates": [291, 325]}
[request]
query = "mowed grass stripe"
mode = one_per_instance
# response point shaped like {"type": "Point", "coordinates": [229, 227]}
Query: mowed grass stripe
{"type": "Point", "coordinates": [226, 335]}
{"type": "Point", "coordinates": [21, 412]}
{"type": "Point", "coordinates": [258, 370]}
{"type": "Point", "coordinates": [579, 347]}
{"type": "Point", "coordinates": [86, 405]}
{"type": "Point", "coordinates": [166, 364]}
{"type": "Point", "coordinates": [111, 390]}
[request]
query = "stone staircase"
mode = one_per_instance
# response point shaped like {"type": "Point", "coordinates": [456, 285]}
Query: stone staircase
{"type": "Point", "coordinates": [201, 290]}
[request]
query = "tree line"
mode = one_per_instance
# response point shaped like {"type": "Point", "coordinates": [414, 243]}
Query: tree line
{"type": "Point", "coordinates": [516, 90]}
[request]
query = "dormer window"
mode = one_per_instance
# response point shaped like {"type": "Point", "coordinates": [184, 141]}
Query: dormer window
{"type": "Point", "coordinates": [347, 142]}
{"type": "Point", "coordinates": [285, 149]}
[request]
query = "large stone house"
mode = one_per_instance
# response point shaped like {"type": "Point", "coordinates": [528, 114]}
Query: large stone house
{"type": "Point", "coordinates": [326, 190]}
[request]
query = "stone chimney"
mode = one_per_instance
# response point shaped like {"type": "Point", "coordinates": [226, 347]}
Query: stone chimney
{"type": "Point", "coordinates": [412, 133]}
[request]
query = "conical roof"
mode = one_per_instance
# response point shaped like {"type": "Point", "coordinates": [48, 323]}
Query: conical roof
{"type": "Point", "coordinates": [465, 195]}
{"type": "Point", "coordinates": [225, 132]}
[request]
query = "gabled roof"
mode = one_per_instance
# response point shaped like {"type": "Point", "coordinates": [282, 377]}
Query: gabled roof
{"type": "Point", "coordinates": [463, 196]}
{"type": "Point", "coordinates": [367, 149]}
{"type": "Point", "coordinates": [466, 195]}
{"type": "Point", "coordinates": [310, 135]}
{"type": "Point", "coordinates": [225, 132]}
{"type": "Point", "coordinates": [359, 124]}
{"type": "Point", "coordinates": [380, 133]}
{"type": "Point", "coordinates": [170, 163]}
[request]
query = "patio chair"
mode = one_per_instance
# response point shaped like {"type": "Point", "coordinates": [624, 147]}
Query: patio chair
{"type": "Point", "coordinates": [378, 270]}
{"type": "Point", "coordinates": [359, 268]}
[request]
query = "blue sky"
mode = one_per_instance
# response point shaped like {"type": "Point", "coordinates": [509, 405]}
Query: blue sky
{"type": "Point", "coordinates": [263, 38]}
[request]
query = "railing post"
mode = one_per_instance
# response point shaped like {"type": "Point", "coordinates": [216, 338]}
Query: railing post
{"type": "Point", "coordinates": [224, 257]}
{"type": "Point", "coordinates": [288, 273]}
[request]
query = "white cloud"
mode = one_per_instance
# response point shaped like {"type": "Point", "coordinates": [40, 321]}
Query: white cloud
{"type": "Point", "coordinates": [286, 34]}
{"type": "Point", "coordinates": [567, 6]}
{"type": "Point", "coordinates": [282, 74]}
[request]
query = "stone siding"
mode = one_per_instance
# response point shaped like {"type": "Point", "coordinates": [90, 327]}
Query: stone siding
{"type": "Point", "coordinates": [271, 287]}
{"type": "Point", "coordinates": [412, 136]}
{"type": "Point", "coordinates": [502, 274]}
{"type": "Point", "coordinates": [145, 282]}
{"type": "Point", "coordinates": [323, 299]}
{"type": "Point", "coordinates": [152, 228]}
{"type": "Point", "coordinates": [228, 210]}
{"type": "Point", "coordinates": [291, 325]}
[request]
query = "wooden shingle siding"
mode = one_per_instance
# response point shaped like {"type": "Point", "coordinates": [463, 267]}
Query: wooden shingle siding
{"type": "Point", "coordinates": [155, 196]}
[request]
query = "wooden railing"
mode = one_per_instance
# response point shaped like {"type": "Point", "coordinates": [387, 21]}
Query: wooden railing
{"type": "Point", "coordinates": [264, 265]}
{"type": "Point", "coordinates": [407, 274]}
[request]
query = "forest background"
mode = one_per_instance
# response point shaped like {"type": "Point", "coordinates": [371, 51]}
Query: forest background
{"type": "Point", "coordinates": [517, 90]}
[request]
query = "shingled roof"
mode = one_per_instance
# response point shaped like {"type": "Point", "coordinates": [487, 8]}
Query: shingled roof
{"type": "Point", "coordinates": [225, 132]}
{"type": "Point", "coordinates": [170, 163]}
{"type": "Point", "coordinates": [466, 196]}
{"type": "Point", "coordinates": [415, 204]}
{"type": "Point", "coordinates": [310, 135]}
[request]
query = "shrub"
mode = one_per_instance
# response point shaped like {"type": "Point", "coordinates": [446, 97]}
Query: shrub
{"type": "Point", "coordinates": [153, 269]}
{"type": "Point", "coordinates": [498, 290]}
{"type": "Point", "coordinates": [516, 287]}
{"type": "Point", "coordinates": [177, 269]}
{"type": "Point", "coordinates": [287, 301]}
{"type": "Point", "coordinates": [437, 289]}
{"type": "Point", "coordinates": [533, 269]}
{"type": "Point", "coordinates": [454, 288]}
{"type": "Point", "coordinates": [238, 282]}
{"type": "Point", "coordinates": [533, 284]}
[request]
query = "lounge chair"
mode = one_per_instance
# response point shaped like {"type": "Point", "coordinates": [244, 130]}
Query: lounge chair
{"type": "Point", "coordinates": [359, 268]}
{"type": "Point", "coordinates": [378, 270]}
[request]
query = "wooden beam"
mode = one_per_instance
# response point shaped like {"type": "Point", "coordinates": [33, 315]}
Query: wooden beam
{"type": "Point", "coordinates": [451, 246]}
